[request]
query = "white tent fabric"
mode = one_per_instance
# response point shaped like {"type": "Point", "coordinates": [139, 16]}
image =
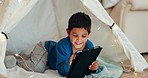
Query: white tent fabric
{"type": "Point", "coordinates": [29, 21]}
{"type": "Point", "coordinates": [9, 23]}
{"type": "Point", "coordinates": [3, 43]}
{"type": "Point", "coordinates": [128, 48]}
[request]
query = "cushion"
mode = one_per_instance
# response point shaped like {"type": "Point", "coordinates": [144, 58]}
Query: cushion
{"type": "Point", "coordinates": [36, 60]}
{"type": "Point", "coordinates": [10, 61]}
{"type": "Point", "coordinates": [139, 4]}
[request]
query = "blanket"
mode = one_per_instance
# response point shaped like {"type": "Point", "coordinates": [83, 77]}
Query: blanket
{"type": "Point", "coordinates": [38, 57]}
{"type": "Point", "coordinates": [109, 71]}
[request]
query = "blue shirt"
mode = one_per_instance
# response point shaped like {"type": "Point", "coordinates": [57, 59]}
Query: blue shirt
{"type": "Point", "coordinates": [59, 54]}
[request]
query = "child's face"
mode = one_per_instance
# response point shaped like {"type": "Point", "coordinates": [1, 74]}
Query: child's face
{"type": "Point", "coordinates": [78, 38]}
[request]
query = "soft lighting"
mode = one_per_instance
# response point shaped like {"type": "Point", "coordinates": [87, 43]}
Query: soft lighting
{"type": "Point", "coordinates": [31, 76]}
{"type": "Point", "coordinates": [122, 65]}
{"type": "Point", "coordinates": [112, 45]}
{"type": "Point", "coordinates": [115, 41]}
{"type": "Point", "coordinates": [99, 28]}
{"type": "Point", "coordinates": [19, 1]}
{"type": "Point", "coordinates": [16, 54]}
{"type": "Point", "coordinates": [1, 1]}
{"type": "Point", "coordinates": [135, 74]}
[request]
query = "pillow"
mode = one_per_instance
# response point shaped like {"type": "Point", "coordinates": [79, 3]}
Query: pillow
{"type": "Point", "coordinates": [10, 61]}
{"type": "Point", "coordinates": [109, 3]}
{"type": "Point", "coordinates": [36, 60]}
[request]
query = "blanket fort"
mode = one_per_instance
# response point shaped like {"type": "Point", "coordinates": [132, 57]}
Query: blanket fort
{"type": "Point", "coordinates": [26, 22]}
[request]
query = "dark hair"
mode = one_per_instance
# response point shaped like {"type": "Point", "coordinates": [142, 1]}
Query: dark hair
{"type": "Point", "coordinates": [79, 20]}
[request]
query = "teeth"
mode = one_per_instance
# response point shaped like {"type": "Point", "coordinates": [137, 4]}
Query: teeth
{"type": "Point", "coordinates": [78, 43]}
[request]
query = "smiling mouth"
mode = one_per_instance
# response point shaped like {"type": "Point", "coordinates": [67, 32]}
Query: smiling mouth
{"type": "Point", "coordinates": [78, 43]}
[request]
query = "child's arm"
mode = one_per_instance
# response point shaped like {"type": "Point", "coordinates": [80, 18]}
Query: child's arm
{"type": "Point", "coordinates": [71, 58]}
{"type": "Point", "coordinates": [63, 60]}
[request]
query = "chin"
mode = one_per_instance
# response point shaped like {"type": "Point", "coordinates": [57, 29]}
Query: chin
{"type": "Point", "coordinates": [78, 47]}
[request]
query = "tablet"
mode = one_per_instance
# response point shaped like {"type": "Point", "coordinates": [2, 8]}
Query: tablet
{"type": "Point", "coordinates": [80, 64]}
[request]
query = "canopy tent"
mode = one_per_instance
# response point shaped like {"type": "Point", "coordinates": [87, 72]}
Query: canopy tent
{"type": "Point", "coordinates": [26, 22]}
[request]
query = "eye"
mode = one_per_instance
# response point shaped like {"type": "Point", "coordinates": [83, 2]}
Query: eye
{"type": "Point", "coordinates": [75, 35]}
{"type": "Point", "coordinates": [83, 36]}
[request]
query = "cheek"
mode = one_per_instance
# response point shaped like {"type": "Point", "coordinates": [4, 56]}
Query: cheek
{"type": "Point", "coordinates": [84, 40]}
{"type": "Point", "coordinates": [72, 39]}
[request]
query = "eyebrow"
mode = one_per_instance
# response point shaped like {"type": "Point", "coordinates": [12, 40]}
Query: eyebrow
{"type": "Point", "coordinates": [82, 34]}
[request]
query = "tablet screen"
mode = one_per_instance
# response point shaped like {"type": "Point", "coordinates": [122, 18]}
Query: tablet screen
{"type": "Point", "coordinates": [80, 64]}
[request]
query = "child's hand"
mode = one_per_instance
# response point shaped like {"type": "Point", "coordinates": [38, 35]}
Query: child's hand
{"type": "Point", "coordinates": [94, 66]}
{"type": "Point", "coordinates": [71, 58]}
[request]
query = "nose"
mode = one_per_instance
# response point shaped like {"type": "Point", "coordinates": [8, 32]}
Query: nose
{"type": "Point", "coordinates": [79, 38]}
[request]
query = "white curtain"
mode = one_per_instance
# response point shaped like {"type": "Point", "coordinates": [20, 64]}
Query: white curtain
{"type": "Point", "coordinates": [38, 25]}
{"type": "Point", "coordinates": [101, 14]}
{"type": "Point", "coordinates": [3, 43]}
{"type": "Point", "coordinates": [14, 13]}
{"type": "Point", "coordinates": [137, 61]}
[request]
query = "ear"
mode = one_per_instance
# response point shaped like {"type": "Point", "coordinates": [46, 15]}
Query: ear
{"type": "Point", "coordinates": [67, 30]}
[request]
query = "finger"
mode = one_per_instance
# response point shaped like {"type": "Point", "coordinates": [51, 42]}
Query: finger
{"type": "Point", "coordinates": [90, 67]}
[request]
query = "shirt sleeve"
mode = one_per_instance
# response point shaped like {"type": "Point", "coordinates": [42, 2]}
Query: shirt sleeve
{"type": "Point", "coordinates": [63, 54]}
{"type": "Point", "coordinates": [99, 69]}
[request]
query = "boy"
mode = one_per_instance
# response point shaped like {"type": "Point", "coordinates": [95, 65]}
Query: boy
{"type": "Point", "coordinates": [61, 55]}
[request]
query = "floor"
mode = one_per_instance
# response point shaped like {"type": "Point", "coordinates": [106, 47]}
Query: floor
{"type": "Point", "coordinates": [131, 74]}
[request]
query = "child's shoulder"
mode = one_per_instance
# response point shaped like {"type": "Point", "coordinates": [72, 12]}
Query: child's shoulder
{"type": "Point", "coordinates": [64, 41]}
{"type": "Point", "coordinates": [64, 44]}
{"type": "Point", "coordinates": [89, 44]}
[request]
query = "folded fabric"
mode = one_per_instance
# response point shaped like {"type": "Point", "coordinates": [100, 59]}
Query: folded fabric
{"type": "Point", "coordinates": [36, 60]}
{"type": "Point", "coordinates": [109, 70]}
